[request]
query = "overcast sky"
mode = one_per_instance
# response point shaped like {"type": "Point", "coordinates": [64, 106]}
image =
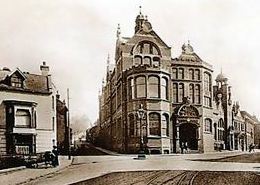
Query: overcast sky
{"type": "Point", "coordinates": [74, 37]}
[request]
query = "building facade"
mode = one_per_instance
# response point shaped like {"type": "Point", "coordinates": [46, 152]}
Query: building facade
{"type": "Point", "coordinates": [62, 126]}
{"type": "Point", "coordinates": [181, 103]}
{"type": "Point", "coordinates": [27, 112]}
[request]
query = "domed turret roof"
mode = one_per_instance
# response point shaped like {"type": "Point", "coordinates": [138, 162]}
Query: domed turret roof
{"type": "Point", "coordinates": [221, 77]}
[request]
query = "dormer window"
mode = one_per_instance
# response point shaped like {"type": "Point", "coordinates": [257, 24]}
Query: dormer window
{"type": "Point", "coordinates": [16, 81]}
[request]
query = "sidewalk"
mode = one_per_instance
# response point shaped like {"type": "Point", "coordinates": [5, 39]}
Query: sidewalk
{"type": "Point", "coordinates": [25, 175]}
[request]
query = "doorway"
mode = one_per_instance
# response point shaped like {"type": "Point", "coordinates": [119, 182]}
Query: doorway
{"type": "Point", "coordinates": [189, 135]}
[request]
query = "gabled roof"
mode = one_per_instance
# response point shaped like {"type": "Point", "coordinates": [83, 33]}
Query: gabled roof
{"type": "Point", "coordinates": [32, 83]}
{"type": "Point", "coordinates": [19, 72]}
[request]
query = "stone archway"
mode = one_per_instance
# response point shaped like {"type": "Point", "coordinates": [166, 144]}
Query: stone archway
{"type": "Point", "coordinates": [186, 126]}
{"type": "Point", "coordinates": [188, 133]}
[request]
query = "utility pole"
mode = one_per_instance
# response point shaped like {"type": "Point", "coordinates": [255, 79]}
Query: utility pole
{"type": "Point", "coordinates": [69, 151]}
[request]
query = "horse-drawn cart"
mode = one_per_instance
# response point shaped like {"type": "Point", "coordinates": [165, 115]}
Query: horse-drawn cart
{"type": "Point", "coordinates": [33, 161]}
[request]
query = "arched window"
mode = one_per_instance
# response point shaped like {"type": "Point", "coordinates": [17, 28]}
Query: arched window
{"type": "Point", "coordinates": [175, 93]}
{"type": "Point", "coordinates": [197, 94]}
{"type": "Point", "coordinates": [191, 92]}
{"type": "Point", "coordinates": [131, 125]}
{"type": "Point", "coordinates": [147, 61]}
{"type": "Point", "coordinates": [197, 74]}
{"type": "Point", "coordinates": [181, 73]}
{"type": "Point", "coordinates": [154, 124]}
{"type": "Point", "coordinates": [215, 131]}
{"type": "Point", "coordinates": [208, 125]}
{"type": "Point", "coordinates": [137, 60]}
{"type": "Point", "coordinates": [140, 87]}
{"type": "Point", "coordinates": [174, 73]}
{"type": "Point", "coordinates": [181, 92]}
{"type": "Point", "coordinates": [165, 125]}
{"type": "Point", "coordinates": [146, 47]}
{"type": "Point", "coordinates": [207, 82]}
{"type": "Point", "coordinates": [153, 89]}
{"type": "Point", "coordinates": [164, 88]}
{"type": "Point", "coordinates": [154, 50]}
{"type": "Point", "coordinates": [191, 74]}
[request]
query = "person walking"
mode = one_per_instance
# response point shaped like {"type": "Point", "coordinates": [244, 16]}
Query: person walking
{"type": "Point", "coordinates": [56, 156]}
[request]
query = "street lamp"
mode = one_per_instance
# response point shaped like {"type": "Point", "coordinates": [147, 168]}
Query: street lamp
{"type": "Point", "coordinates": [141, 114]}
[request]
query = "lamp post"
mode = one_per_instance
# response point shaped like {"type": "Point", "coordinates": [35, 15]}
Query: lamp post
{"type": "Point", "coordinates": [141, 114]}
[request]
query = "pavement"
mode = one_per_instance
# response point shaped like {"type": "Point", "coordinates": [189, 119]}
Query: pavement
{"type": "Point", "coordinates": [22, 175]}
{"type": "Point", "coordinates": [87, 167]}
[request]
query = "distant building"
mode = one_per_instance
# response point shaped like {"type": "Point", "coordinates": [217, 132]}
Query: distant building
{"type": "Point", "coordinates": [27, 112]}
{"type": "Point", "coordinates": [181, 103]}
{"type": "Point", "coordinates": [62, 126]}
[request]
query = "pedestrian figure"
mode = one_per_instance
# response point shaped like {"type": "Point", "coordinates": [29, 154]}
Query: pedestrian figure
{"type": "Point", "coordinates": [186, 147]}
{"type": "Point", "coordinates": [56, 159]}
{"type": "Point", "coordinates": [250, 147]}
{"type": "Point", "coordinates": [182, 147]}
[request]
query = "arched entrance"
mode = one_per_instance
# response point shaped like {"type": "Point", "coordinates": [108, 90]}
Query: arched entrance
{"type": "Point", "coordinates": [186, 126]}
{"type": "Point", "coordinates": [189, 135]}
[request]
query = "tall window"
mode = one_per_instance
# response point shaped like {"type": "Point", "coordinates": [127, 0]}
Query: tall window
{"type": "Point", "coordinates": [165, 125]}
{"type": "Point", "coordinates": [174, 73]}
{"type": "Point", "coordinates": [191, 74]}
{"type": "Point", "coordinates": [191, 92]}
{"type": "Point", "coordinates": [164, 89]}
{"type": "Point", "coordinates": [197, 74]}
{"type": "Point", "coordinates": [22, 118]}
{"type": "Point", "coordinates": [197, 94]}
{"type": "Point", "coordinates": [131, 125]}
{"type": "Point", "coordinates": [119, 95]}
{"type": "Point", "coordinates": [154, 124]}
{"type": "Point", "coordinates": [52, 102]}
{"type": "Point", "coordinates": [181, 73]}
{"type": "Point", "coordinates": [140, 87]}
{"type": "Point", "coordinates": [53, 123]}
{"type": "Point", "coordinates": [208, 125]}
{"type": "Point", "coordinates": [153, 89]}
{"type": "Point", "coordinates": [175, 93]}
{"type": "Point", "coordinates": [207, 101]}
{"type": "Point", "coordinates": [207, 82]}
{"type": "Point", "coordinates": [221, 129]}
{"type": "Point", "coordinates": [181, 92]}
{"type": "Point", "coordinates": [131, 89]}
{"type": "Point", "coordinates": [137, 60]}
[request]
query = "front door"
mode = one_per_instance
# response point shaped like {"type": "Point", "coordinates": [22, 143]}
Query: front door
{"type": "Point", "coordinates": [189, 135]}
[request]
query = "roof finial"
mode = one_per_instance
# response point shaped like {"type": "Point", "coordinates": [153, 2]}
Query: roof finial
{"type": "Point", "coordinates": [118, 32]}
{"type": "Point", "coordinates": [140, 10]}
{"type": "Point", "coordinates": [221, 70]}
{"type": "Point", "coordinates": [188, 42]}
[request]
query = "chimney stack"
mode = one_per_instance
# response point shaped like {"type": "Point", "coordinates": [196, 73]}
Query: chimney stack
{"type": "Point", "coordinates": [44, 69]}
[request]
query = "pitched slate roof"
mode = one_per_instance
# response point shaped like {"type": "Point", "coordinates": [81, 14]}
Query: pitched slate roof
{"type": "Point", "coordinates": [32, 83]}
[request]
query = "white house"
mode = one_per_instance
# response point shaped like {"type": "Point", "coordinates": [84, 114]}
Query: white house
{"type": "Point", "coordinates": [27, 112]}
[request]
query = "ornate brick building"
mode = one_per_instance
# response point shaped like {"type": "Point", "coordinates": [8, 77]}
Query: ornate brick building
{"type": "Point", "coordinates": [181, 103]}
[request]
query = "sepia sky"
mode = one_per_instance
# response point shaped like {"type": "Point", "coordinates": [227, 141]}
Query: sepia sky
{"type": "Point", "coordinates": [74, 37]}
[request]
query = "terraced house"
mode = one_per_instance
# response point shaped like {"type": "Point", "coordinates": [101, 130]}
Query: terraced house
{"type": "Point", "coordinates": [27, 112]}
{"type": "Point", "coordinates": [182, 104]}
